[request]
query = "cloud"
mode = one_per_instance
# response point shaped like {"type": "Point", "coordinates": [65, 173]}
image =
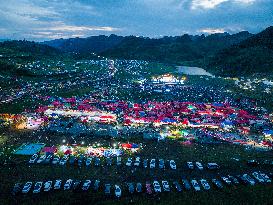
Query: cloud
{"type": "Point", "coordinates": [212, 30]}
{"type": "Point", "coordinates": [64, 27]}
{"type": "Point", "coordinates": [206, 4]}
{"type": "Point", "coordinates": [211, 4]}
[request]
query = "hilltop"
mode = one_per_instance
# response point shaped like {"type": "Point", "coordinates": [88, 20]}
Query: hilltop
{"type": "Point", "coordinates": [253, 55]}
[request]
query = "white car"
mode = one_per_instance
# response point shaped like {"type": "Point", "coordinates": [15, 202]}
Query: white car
{"type": "Point", "coordinates": [172, 164]}
{"type": "Point", "coordinates": [137, 162]}
{"type": "Point", "coordinates": [68, 184]}
{"type": "Point", "coordinates": [205, 184]}
{"type": "Point", "coordinates": [88, 161]}
{"type": "Point", "coordinates": [226, 180]}
{"type": "Point", "coordinates": [47, 186]}
{"type": "Point", "coordinates": [37, 187]}
{"type": "Point", "coordinates": [57, 184]}
{"type": "Point", "coordinates": [56, 160]}
{"type": "Point", "coordinates": [33, 159]}
{"type": "Point", "coordinates": [266, 178]}
{"type": "Point", "coordinates": [199, 165]}
{"type": "Point", "coordinates": [41, 159]}
{"type": "Point", "coordinates": [195, 185]}
{"type": "Point", "coordinates": [258, 177]}
{"type": "Point", "coordinates": [118, 161]}
{"type": "Point", "coordinates": [64, 160]}
{"type": "Point", "coordinates": [250, 180]}
{"type": "Point", "coordinates": [157, 187]}
{"type": "Point", "coordinates": [27, 187]}
{"type": "Point", "coordinates": [166, 186]}
{"type": "Point", "coordinates": [190, 165]}
{"type": "Point", "coordinates": [213, 165]}
{"type": "Point", "coordinates": [129, 162]}
{"type": "Point", "coordinates": [152, 163]}
{"type": "Point", "coordinates": [117, 191]}
{"type": "Point", "coordinates": [86, 185]}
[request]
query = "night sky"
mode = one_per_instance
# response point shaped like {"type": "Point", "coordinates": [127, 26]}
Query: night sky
{"type": "Point", "coordinates": [50, 19]}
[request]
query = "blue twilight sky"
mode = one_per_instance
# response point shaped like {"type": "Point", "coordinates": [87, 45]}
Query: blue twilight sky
{"type": "Point", "coordinates": [49, 19]}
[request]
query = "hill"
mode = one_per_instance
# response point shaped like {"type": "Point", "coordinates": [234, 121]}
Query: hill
{"type": "Point", "coordinates": [14, 52]}
{"type": "Point", "coordinates": [180, 49]}
{"type": "Point", "coordinates": [168, 49]}
{"type": "Point", "coordinates": [251, 56]}
{"type": "Point", "coordinates": [86, 45]}
{"type": "Point", "coordinates": [26, 49]}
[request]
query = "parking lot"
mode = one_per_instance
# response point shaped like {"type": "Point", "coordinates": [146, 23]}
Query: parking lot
{"type": "Point", "coordinates": [232, 161]}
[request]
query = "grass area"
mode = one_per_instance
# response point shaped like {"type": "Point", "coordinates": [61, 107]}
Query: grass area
{"type": "Point", "coordinates": [220, 153]}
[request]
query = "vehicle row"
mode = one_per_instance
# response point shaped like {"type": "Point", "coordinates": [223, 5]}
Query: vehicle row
{"type": "Point", "coordinates": [81, 160]}
{"type": "Point", "coordinates": [156, 186]}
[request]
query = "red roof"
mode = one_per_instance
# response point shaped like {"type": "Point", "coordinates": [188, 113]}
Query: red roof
{"type": "Point", "coordinates": [50, 149]}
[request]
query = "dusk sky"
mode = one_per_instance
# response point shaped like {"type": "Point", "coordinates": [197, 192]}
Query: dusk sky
{"type": "Point", "coordinates": [50, 19]}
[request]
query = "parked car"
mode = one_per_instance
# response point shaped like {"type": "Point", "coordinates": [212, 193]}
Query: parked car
{"type": "Point", "coordinates": [157, 187]}
{"type": "Point", "coordinates": [138, 187]}
{"type": "Point", "coordinates": [145, 163]}
{"type": "Point", "coordinates": [234, 180]}
{"type": "Point", "coordinates": [27, 187]}
{"type": "Point", "coordinates": [72, 160]}
{"type": "Point", "coordinates": [268, 162]}
{"type": "Point", "coordinates": [172, 164]}
{"type": "Point", "coordinates": [226, 180]}
{"type": "Point", "coordinates": [48, 159]}
{"type": "Point", "coordinates": [149, 189]}
{"type": "Point", "coordinates": [205, 184]}
{"type": "Point", "coordinates": [108, 161]}
{"type": "Point", "coordinates": [57, 184]}
{"type": "Point", "coordinates": [190, 165]}
{"type": "Point", "coordinates": [252, 163]}
{"type": "Point", "coordinates": [161, 164]}
{"type": "Point", "coordinates": [16, 189]}
{"type": "Point", "coordinates": [242, 179]}
{"type": "Point", "coordinates": [117, 191]}
{"type": "Point", "coordinates": [88, 161]}
{"type": "Point", "coordinates": [129, 162]}
{"type": "Point", "coordinates": [186, 184]}
{"type": "Point", "coordinates": [266, 178]}
{"type": "Point", "coordinates": [76, 185]}
{"type": "Point", "coordinates": [177, 186]}
{"type": "Point", "coordinates": [195, 185]}
{"type": "Point", "coordinates": [166, 186]}
{"type": "Point", "coordinates": [68, 184]}
{"type": "Point", "coordinates": [250, 180]}
{"type": "Point", "coordinates": [213, 165]}
{"type": "Point", "coordinates": [199, 165]}
{"type": "Point", "coordinates": [37, 187]}
{"type": "Point", "coordinates": [97, 161]}
{"type": "Point", "coordinates": [64, 160]}
{"type": "Point", "coordinates": [41, 159]}
{"type": "Point", "coordinates": [33, 159]}
{"type": "Point", "coordinates": [107, 189]}
{"type": "Point", "coordinates": [131, 188]}
{"type": "Point", "coordinates": [217, 183]}
{"type": "Point", "coordinates": [258, 177]}
{"type": "Point", "coordinates": [47, 186]}
{"type": "Point", "coordinates": [137, 162]}
{"type": "Point", "coordinates": [81, 159]}
{"type": "Point", "coordinates": [86, 185]}
{"type": "Point", "coordinates": [118, 161]}
{"type": "Point", "coordinates": [56, 159]}
{"type": "Point", "coordinates": [152, 163]}
{"type": "Point", "coordinates": [96, 185]}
